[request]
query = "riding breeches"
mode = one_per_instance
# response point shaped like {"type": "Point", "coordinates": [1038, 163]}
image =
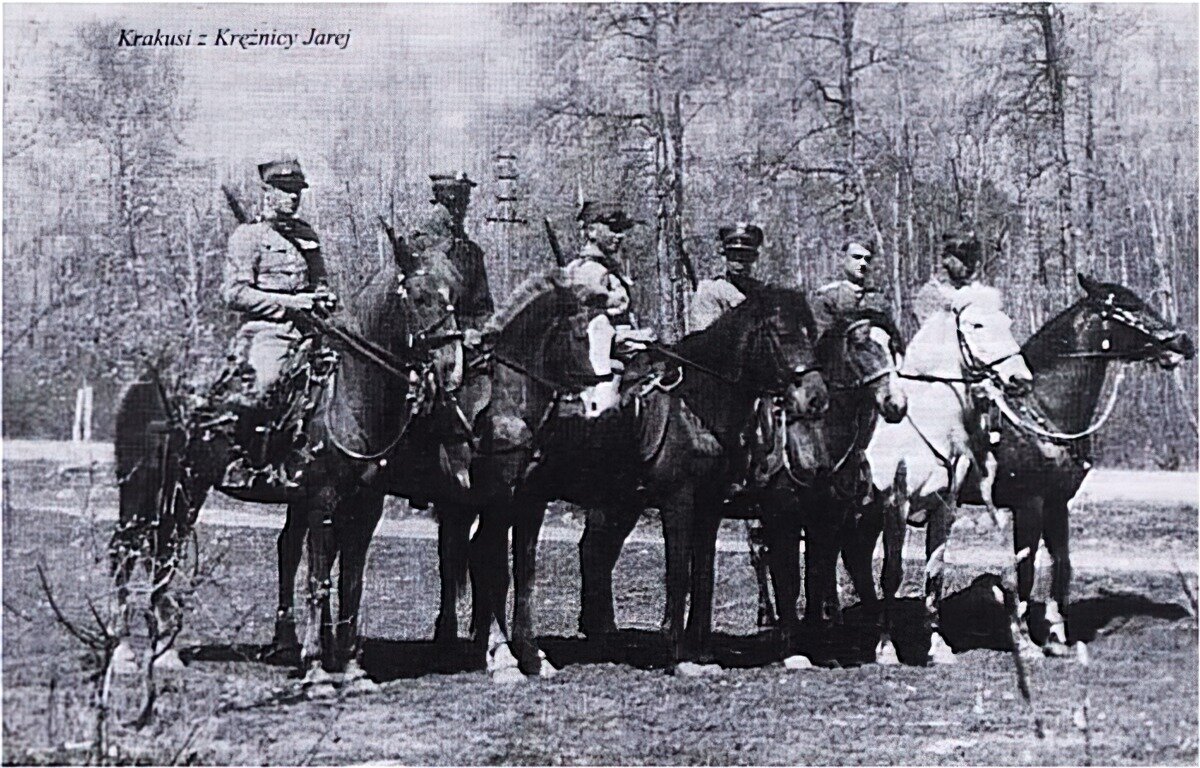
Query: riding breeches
{"type": "Point", "coordinates": [264, 346]}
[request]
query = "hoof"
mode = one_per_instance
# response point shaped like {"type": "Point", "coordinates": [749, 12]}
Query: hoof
{"type": "Point", "coordinates": [502, 666]}
{"type": "Point", "coordinates": [1056, 649]}
{"type": "Point", "coordinates": [691, 669]}
{"type": "Point", "coordinates": [353, 672]}
{"type": "Point", "coordinates": [281, 654]}
{"type": "Point", "coordinates": [797, 662]}
{"type": "Point", "coordinates": [124, 660]}
{"type": "Point", "coordinates": [317, 675]}
{"type": "Point", "coordinates": [939, 652]}
{"type": "Point", "coordinates": [169, 661]}
{"type": "Point", "coordinates": [885, 654]}
{"type": "Point", "coordinates": [546, 670]}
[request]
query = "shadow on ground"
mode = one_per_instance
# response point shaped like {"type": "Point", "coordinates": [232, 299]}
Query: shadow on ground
{"type": "Point", "coordinates": [971, 619]}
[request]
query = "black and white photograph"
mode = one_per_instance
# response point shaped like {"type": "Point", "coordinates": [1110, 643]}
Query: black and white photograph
{"type": "Point", "coordinates": [665, 383]}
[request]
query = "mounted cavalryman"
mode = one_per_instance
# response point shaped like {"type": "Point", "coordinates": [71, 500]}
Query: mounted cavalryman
{"type": "Point", "coordinates": [273, 274]}
{"type": "Point", "coordinates": [444, 230]}
{"type": "Point", "coordinates": [740, 244]}
{"type": "Point", "coordinates": [597, 279]}
{"type": "Point", "coordinates": [856, 290]}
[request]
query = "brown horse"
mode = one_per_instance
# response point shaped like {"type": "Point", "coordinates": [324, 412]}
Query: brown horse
{"type": "Point", "coordinates": [676, 445]}
{"type": "Point", "coordinates": [382, 409]}
{"type": "Point", "coordinates": [857, 359]}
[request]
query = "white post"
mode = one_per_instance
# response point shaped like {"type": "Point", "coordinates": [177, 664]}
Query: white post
{"type": "Point", "coordinates": [77, 426]}
{"type": "Point", "coordinates": [87, 413]}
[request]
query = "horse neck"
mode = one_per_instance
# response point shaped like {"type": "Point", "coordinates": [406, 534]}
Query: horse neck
{"type": "Point", "coordinates": [851, 417]}
{"type": "Point", "coordinates": [934, 349]}
{"type": "Point", "coordinates": [1067, 389]}
{"type": "Point", "coordinates": [721, 407]}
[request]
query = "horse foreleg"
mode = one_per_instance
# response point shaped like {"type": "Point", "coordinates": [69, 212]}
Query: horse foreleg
{"type": "Point", "coordinates": [937, 536]}
{"type": "Point", "coordinates": [122, 553]}
{"type": "Point", "coordinates": [677, 516]}
{"type": "Point", "coordinates": [1028, 523]}
{"type": "Point", "coordinates": [704, 551]}
{"type": "Point", "coordinates": [895, 527]}
{"type": "Point", "coordinates": [1057, 531]}
{"type": "Point", "coordinates": [783, 552]}
{"type": "Point", "coordinates": [318, 650]}
{"type": "Point", "coordinates": [289, 549]}
{"type": "Point", "coordinates": [858, 551]}
{"type": "Point", "coordinates": [759, 555]}
{"type": "Point", "coordinates": [454, 531]}
{"type": "Point", "coordinates": [356, 522]}
{"type": "Point", "coordinates": [527, 525]}
{"type": "Point", "coordinates": [599, 549]}
{"type": "Point", "coordinates": [821, 603]}
{"type": "Point", "coordinates": [489, 575]}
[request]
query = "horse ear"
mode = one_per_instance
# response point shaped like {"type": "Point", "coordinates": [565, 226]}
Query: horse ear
{"type": "Point", "coordinates": [1090, 286]}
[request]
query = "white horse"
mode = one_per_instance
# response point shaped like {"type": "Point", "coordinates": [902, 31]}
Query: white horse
{"type": "Point", "coordinates": [919, 464]}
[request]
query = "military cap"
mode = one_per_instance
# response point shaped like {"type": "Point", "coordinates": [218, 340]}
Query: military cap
{"type": "Point", "coordinates": [855, 248]}
{"type": "Point", "coordinates": [283, 174]}
{"type": "Point", "coordinates": [598, 212]}
{"type": "Point", "coordinates": [741, 241]}
{"type": "Point", "coordinates": [964, 247]}
{"type": "Point", "coordinates": [451, 180]}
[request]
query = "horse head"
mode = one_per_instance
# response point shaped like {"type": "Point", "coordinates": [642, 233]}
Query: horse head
{"type": "Point", "coordinates": [986, 345]}
{"type": "Point", "coordinates": [776, 341]}
{"type": "Point", "coordinates": [858, 354]}
{"type": "Point", "coordinates": [541, 333]}
{"type": "Point", "coordinates": [427, 284]}
{"type": "Point", "coordinates": [1129, 329]}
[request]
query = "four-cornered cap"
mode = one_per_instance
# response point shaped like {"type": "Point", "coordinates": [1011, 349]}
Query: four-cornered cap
{"type": "Point", "coordinates": [594, 212]}
{"type": "Point", "coordinates": [741, 241]}
{"type": "Point", "coordinates": [451, 181]}
{"type": "Point", "coordinates": [964, 247]}
{"type": "Point", "coordinates": [857, 249]}
{"type": "Point", "coordinates": [283, 174]}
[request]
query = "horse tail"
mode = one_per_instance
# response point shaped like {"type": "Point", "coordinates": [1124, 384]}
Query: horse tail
{"type": "Point", "coordinates": [138, 447]}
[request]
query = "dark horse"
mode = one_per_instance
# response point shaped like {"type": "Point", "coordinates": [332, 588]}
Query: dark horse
{"type": "Point", "coordinates": [857, 358]}
{"type": "Point", "coordinates": [1044, 452]}
{"type": "Point", "coordinates": [676, 444]}
{"type": "Point", "coordinates": [377, 421]}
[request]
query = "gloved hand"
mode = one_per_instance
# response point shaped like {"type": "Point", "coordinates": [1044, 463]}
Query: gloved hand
{"type": "Point", "coordinates": [472, 338]}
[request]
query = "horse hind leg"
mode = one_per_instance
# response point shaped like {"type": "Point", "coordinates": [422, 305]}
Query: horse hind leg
{"type": "Point", "coordinates": [895, 526]}
{"type": "Point", "coordinates": [1028, 523]}
{"type": "Point", "coordinates": [122, 551]}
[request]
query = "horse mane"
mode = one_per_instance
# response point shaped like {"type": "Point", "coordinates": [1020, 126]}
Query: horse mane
{"type": "Point", "coordinates": [837, 330]}
{"type": "Point", "coordinates": [521, 325]}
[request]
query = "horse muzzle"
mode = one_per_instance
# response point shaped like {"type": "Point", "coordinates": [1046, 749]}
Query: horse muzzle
{"type": "Point", "coordinates": [1175, 350]}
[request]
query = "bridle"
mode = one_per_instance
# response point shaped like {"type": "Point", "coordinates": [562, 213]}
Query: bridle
{"type": "Point", "coordinates": [1111, 313]}
{"type": "Point", "coordinates": [866, 379]}
{"type": "Point", "coordinates": [976, 369]}
{"type": "Point", "coordinates": [416, 369]}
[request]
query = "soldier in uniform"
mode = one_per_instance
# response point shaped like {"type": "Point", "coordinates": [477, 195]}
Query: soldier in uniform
{"type": "Point", "coordinates": [595, 276]}
{"type": "Point", "coordinates": [960, 260]}
{"type": "Point", "coordinates": [444, 231]}
{"type": "Point", "coordinates": [273, 265]}
{"type": "Point", "coordinates": [739, 245]}
{"type": "Point", "coordinates": [856, 290]}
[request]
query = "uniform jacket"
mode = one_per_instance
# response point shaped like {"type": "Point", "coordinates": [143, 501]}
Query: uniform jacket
{"type": "Point", "coordinates": [835, 299]}
{"type": "Point", "coordinates": [595, 283]}
{"type": "Point", "coordinates": [261, 264]}
{"type": "Point", "coordinates": [440, 232]}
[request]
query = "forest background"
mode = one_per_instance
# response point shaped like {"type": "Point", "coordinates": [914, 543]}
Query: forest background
{"type": "Point", "coordinates": [1065, 136]}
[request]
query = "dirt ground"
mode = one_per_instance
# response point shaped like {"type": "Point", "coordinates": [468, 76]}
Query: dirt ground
{"type": "Point", "coordinates": [613, 702]}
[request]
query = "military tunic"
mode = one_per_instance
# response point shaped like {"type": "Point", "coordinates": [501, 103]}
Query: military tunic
{"type": "Point", "coordinates": [442, 233]}
{"type": "Point", "coordinates": [261, 267]}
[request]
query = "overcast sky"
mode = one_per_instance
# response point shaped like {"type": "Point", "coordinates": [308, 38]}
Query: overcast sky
{"type": "Point", "coordinates": [462, 56]}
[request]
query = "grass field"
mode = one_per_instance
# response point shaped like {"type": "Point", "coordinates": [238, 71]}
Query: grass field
{"type": "Point", "coordinates": [614, 702]}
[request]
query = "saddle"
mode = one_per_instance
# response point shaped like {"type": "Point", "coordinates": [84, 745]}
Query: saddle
{"type": "Point", "coordinates": [269, 434]}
